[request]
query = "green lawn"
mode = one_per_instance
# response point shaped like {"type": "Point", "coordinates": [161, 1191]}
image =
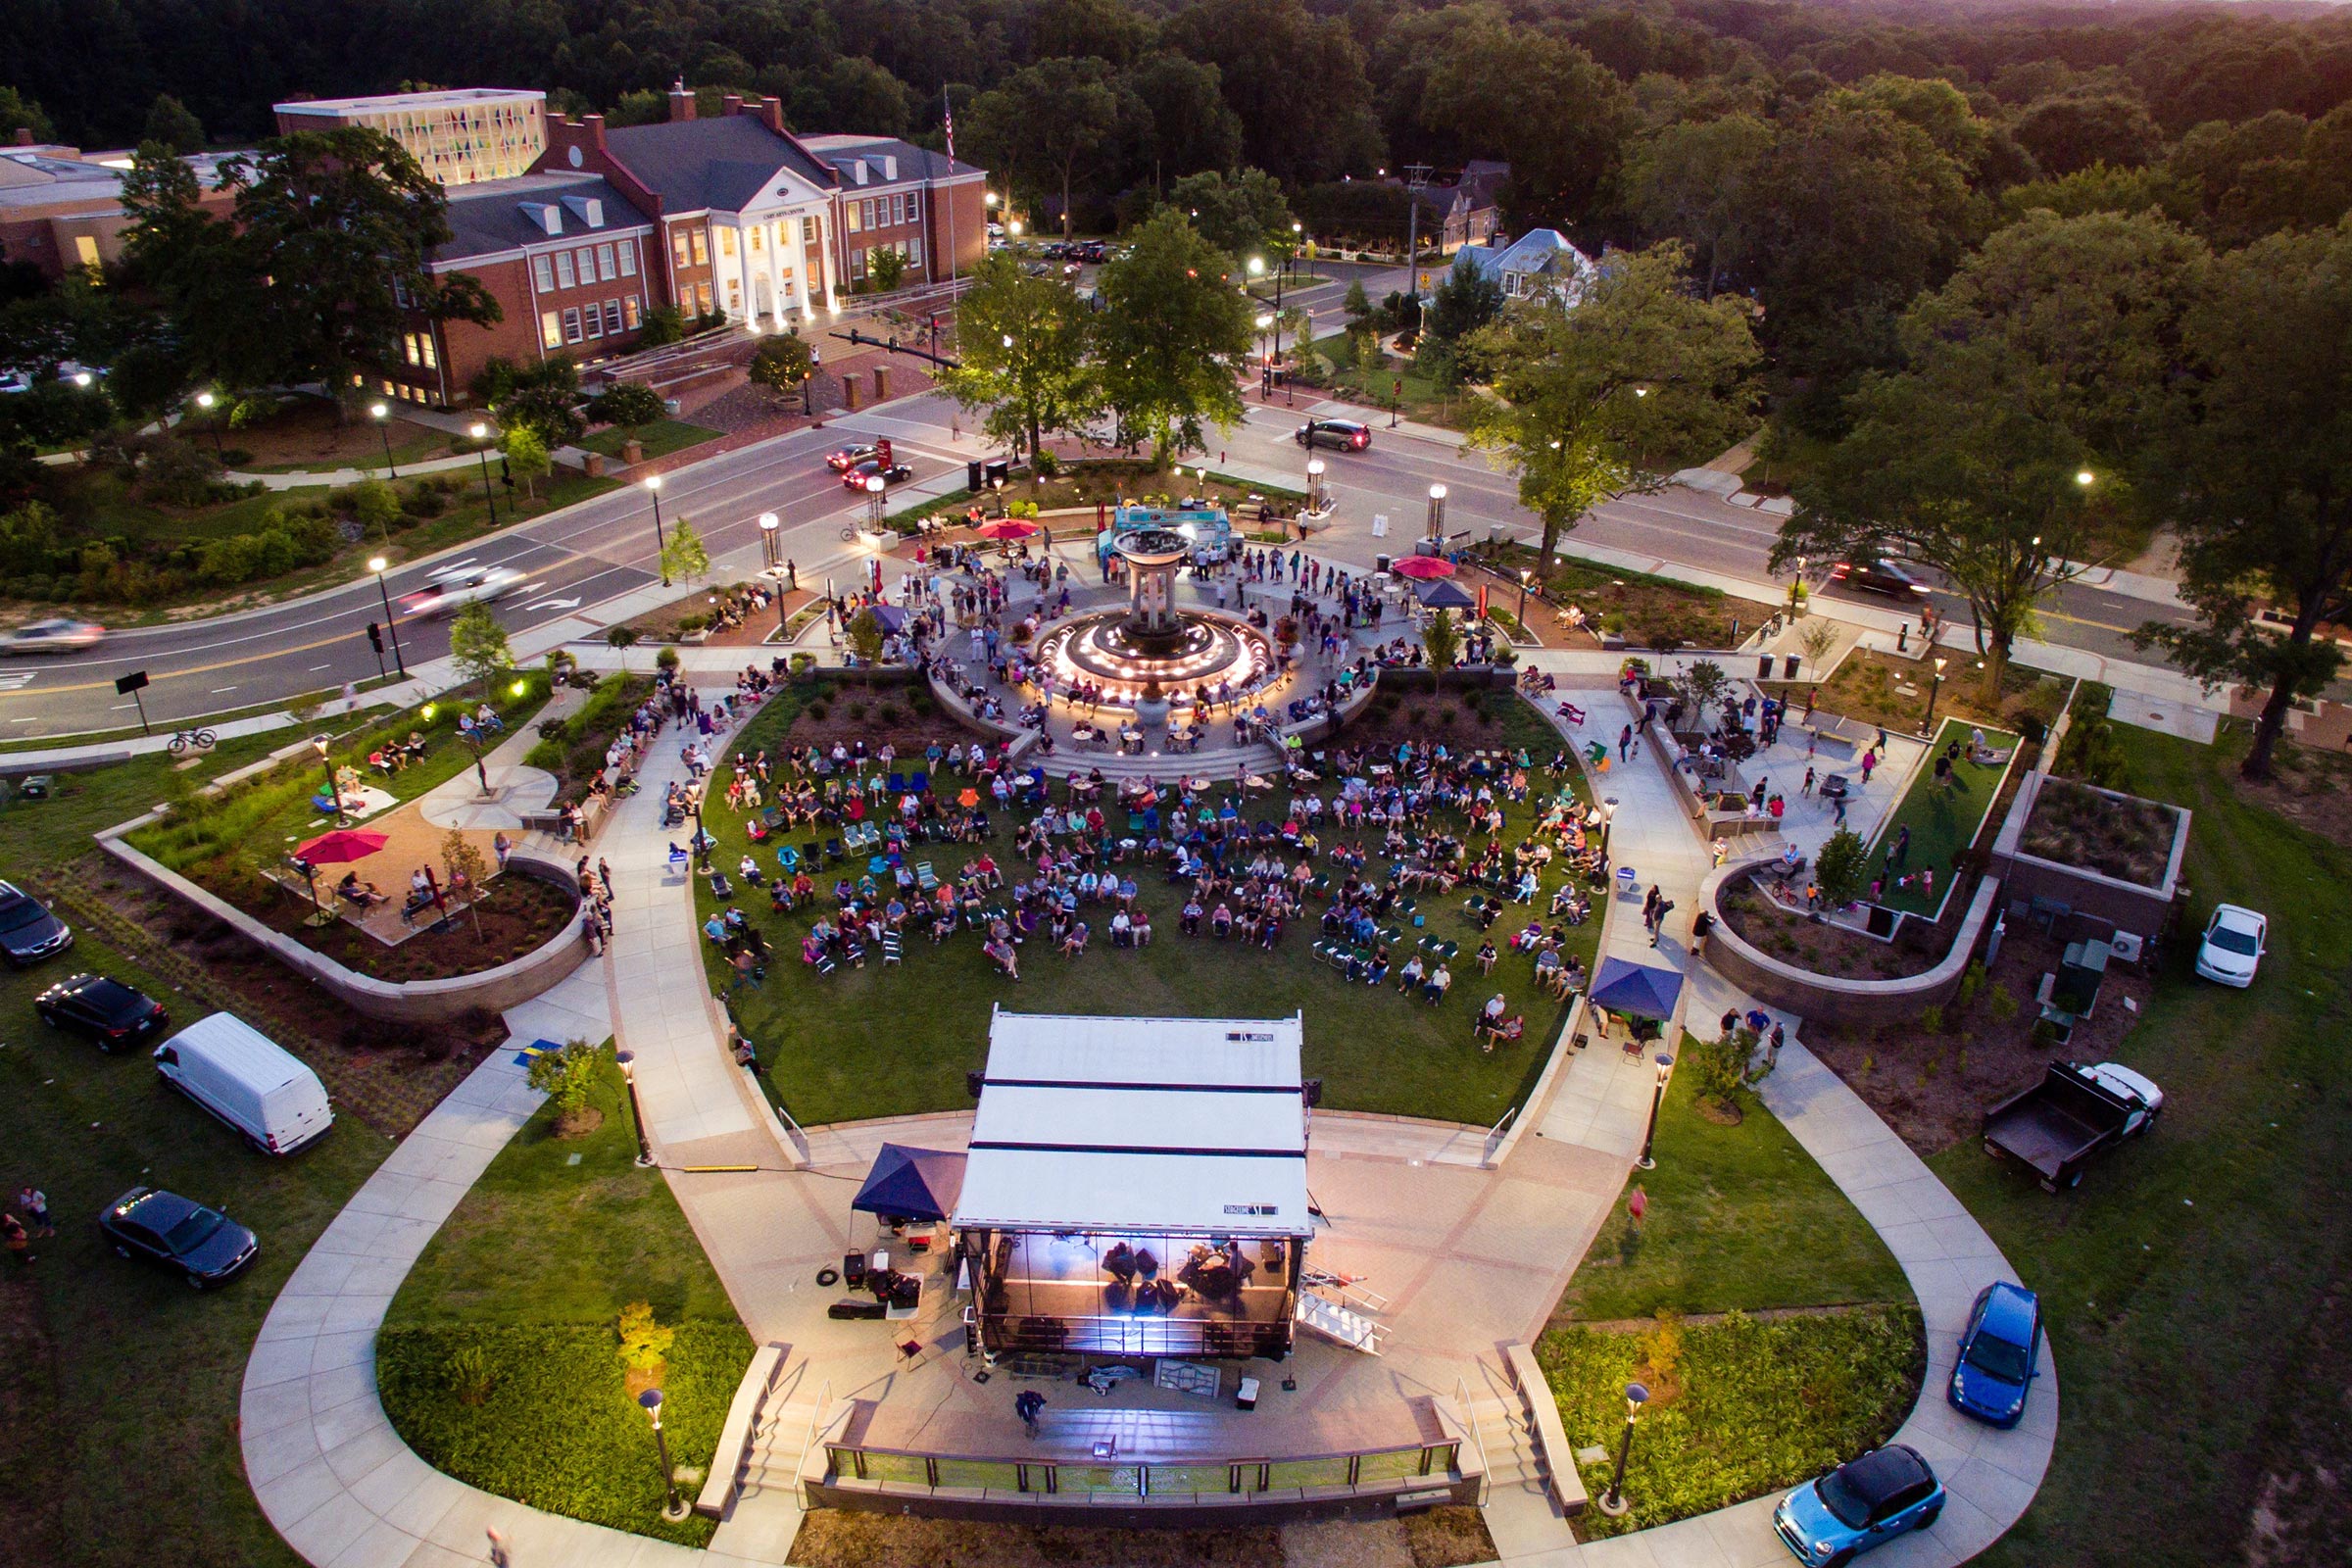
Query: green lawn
{"type": "Point", "coordinates": [890, 1041]}
{"type": "Point", "coordinates": [120, 1384]}
{"type": "Point", "coordinates": [101, 506]}
{"type": "Point", "coordinates": [1942, 819]}
{"type": "Point", "coordinates": [38, 834]}
{"type": "Point", "coordinates": [659, 438]}
{"type": "Point", "coordinates": [411, 444]}
{"type": "Point", "coordinates": [2193, 1283]}
{"type": "Point", "coordinates": [530, 1275]}
{"type": "Point", "coordinates": [1740, 1218]}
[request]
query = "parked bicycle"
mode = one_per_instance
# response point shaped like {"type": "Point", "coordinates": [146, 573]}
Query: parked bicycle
{"type": "Point", "coordinates": [187, 740]}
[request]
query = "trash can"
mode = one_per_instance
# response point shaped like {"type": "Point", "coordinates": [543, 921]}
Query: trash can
{"type": "Point", "coordinates": [1381, 563]}
{"type": "Point", "coordinates": [1764, 667]}
{"type": "Point", "coordinates": [1788, 663]}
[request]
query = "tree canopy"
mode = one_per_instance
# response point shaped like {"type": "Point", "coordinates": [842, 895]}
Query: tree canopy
{"type": "Point", "coordinates": [1173, 335]}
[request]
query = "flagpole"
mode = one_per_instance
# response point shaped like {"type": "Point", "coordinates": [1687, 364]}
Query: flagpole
{"type": "Point", "coordinates": [950, 122]}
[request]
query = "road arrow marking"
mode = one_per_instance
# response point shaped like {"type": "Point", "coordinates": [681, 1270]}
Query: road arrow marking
{"type": "Point", "coordinates": [553, 603]}
{"type": "Point", "coordinates": [16, 680]}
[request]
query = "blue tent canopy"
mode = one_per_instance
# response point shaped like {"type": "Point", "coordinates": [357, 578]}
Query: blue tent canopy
{"type": "Point", "coordinates": [920, 1184]}
{"type": "Point", "coordinates": [890, 617]}
{"type": "Point", "coordinates": [1635, 989]}
{"type": "Point", "coordinates": [1439, 594]}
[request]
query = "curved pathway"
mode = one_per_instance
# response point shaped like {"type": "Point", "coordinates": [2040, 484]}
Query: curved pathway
{"type": "Point", "coordinates": [344, 1489]}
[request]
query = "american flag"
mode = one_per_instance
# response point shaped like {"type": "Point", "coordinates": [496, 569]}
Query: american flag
{"type": "Point", "coordinates": [950, 110]}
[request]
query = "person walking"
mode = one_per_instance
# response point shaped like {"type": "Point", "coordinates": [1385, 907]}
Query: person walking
{"type": "Point", "coordinates": [1658, 925]}
{"type": "Point", "coordinates": [1625, 742]}
{"type": "Point", "coordinates": [502, 846]}
{"type": "Point", "coordinates": [1026, 1405]}
{"type": "Point", "coordinates": [36, 1204]}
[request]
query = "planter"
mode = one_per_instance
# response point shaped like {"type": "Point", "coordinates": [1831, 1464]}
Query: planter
{"type": "Point", "coordinates": [1152, 713]}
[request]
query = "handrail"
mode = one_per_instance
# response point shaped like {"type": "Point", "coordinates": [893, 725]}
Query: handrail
{"type": "Point", "coordinates": [824, 1402]}
{"type": "Point", "coordinates": [1494, 1133]}
{"type": "Point", "coordinates": [1180, 1462]}
{"type": "Point", "coordinates": [1486, 1465]}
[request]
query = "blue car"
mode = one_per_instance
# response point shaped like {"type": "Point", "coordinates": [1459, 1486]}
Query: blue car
{"type": "Point", "coordinates": [1863, 1503]}
{"type": "Point", "coordinates": [1997, 1354]}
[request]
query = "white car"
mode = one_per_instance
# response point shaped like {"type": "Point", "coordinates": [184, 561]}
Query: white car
{"type": "Point", "coordinates": [60, 635]}
{"type": "Point", "coordinates": [2233, 945]}
{"type": "Point", "coordinates": [458, 587]}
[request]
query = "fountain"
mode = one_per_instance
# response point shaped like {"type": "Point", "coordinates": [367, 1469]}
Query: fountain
{"type": "Point", "coordinates": [1151, 643]}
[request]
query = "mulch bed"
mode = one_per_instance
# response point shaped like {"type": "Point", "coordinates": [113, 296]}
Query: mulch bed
{"type": "Point", "coordinates": [2310, 788]}
{"type": "Point", "coordinates": [1934, 1087]}
{"type": "Point", "coordinates": [518, 915]}
{"type": "Point", "coordinates": [1823, 948]}
{"type": "Point", "coordinates": [1425, 716]}
{"type": "Point", "coordinates": [2076, 825]}
{"type": "Point", "coordinates": [877, 715]}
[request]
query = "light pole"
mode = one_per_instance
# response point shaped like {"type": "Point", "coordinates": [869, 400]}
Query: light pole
{"type": "Point", "coordinates": [876, 487]}
{"type": "Point", "coordinates": [381, 413]}
{"type": "Point", "coordinates": [1612, 1501]}
{"type": "Point", "coordinates": [333, 793]}
{"type": "Point", "coordinates": [376, 565]}
{"type": "Point", "coordinates": [1527, 575]}
{"type": "Point", "coordinates": [1796, 587]}
{"type": "Point", "coordinates": [1657, 1098]}
{"type": "Point", "coordinates": [653, 487]}
{"type": "Point", "coordinates": [1314, 484]}
{"type": "Point", "coordinates": [1608, 815]}
{"type": "Point", "coordinates": [1437, 520]}
{"type": "Point", "coordinates": [1937, 685]}
{"type": "Point", "coordinates": [769, 524]}
{"type": "Point", "coordinates": [672, 1508]}
{"type": "Point", "coordinates": [205, 401]}
{"type": "Point", "coordinates": [627, 1061]}
{"type": "Point", "coordinates": [481, 436]}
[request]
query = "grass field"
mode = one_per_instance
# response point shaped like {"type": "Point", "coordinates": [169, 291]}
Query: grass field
{"type": "Point", "coordinates": [2193, 1282]}
{"type": "Point", "coordinates": [1944, 819]}
{"type": "Point", "coordinates": [888, 1041]}
{"type": "Point", "coordinates": [659, 438]}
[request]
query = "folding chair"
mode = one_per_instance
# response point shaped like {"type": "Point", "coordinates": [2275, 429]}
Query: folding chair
{"type": "Point", "coordinates": [788, 859]}
{"type": "Point", "coordinates": [833, 852]}
{"type": "Point", "coordinates": [918, 782]}
{"type": "Point", "coordinates": [898, 783]}
{"type": "Point", "coordinates": [926, 879]}
{"type": "Point", "coordinates": [891, 950]}
{"type": "Point", "coordinates": [825, 964]}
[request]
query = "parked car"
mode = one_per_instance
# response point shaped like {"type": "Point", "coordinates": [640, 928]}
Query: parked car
{"type": "Point", "coordinates": [1998, 1352]}
{"type": "Point", "coordinates": [28, 932]}
{"type": "Point", "coordinates": [247, 1080]}
{"type": "Point", "coordinates": [2075, 1112]}
{"type": "Point", "coordinates": [1877, 575]}
{"type": "Point", "coordinates": [2233, 948]}
{"type": "Point", "coordinates": [107, 1011]}
{"type": "Point", "coordinates": [58, 634]}
{"type": "Point", "coordinates": [841, 458]}
{"type": "Point", "coordinates": [1863, 1503]}
{"type": "Point", "coordinates": [1093, 250]}
{"type": "Point", "coordinates": [1346, 434]}
{"type": "Point", "coordinates": [453, 590]}
{"type": "Point", "coordinates": [892, 472]}
{"type": "Point", "coordinates": [1056, 252]}
{"type": "Point", "coordinates": [201, 1245]}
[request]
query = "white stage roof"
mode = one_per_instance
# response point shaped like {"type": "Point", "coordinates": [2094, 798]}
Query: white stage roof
{"type": "Point", "coordinates": [1177, 1124]}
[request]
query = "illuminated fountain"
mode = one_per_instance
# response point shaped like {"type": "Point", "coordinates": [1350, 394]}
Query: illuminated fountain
{"type": "Point", "coordinates": [1183, 652]}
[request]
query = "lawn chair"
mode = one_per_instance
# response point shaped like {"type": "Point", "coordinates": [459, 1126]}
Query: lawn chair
{"type": "Point", "coordinates": [918, 782]}
{"type": "Point", "coordinates": [833, 852]}
{"type": "Point", "coordinates": [788, 859]}
{"type": "Point", "coordinates": [925, 878]}
{"type": "Point", "coordinates": [898, 783]}
{"type": "Point", "coordinates": [892, 951]}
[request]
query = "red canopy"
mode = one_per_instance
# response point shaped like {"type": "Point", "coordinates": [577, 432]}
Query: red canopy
{"type": "Point", "coordinates": [1422, 566]}
{"type": "Point", "coordinates": [1007, 528]}
{"type": "Point", "coordinates": [344, 844]}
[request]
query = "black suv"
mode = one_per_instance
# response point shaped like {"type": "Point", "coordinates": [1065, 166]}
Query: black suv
{"type": "Point", "coordinates": [1877, 575]}
{"type": "Point", "coordinates": [201, 1245]}
{"type": "Point", "coordinates": [28, 932]}
{"type": "Point", "coordinates": [1346, 434]}
{"type": "Point", "coordinates": [109, 1011]}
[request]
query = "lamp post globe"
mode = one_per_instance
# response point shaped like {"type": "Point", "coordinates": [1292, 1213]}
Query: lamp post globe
{"type": "Point", "coordinates": [480, 434]}
{"type": "Point", "coordinates": [672, 1507]}
{"type": "Point", "coordinates": [1612, 1502]}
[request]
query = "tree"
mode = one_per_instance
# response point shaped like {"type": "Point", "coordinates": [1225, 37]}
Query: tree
{"type": "Point", "coordinates": [1466, 301]}
{"type": "Point", "coordinates": [1239, 215]}
{"type": "Point", "coordinates": [1688, 182]}
{"type": "Point", "coordinates": [2075, 130]}
{"type": "Point", "coordinates": [1171, 338]}
{"type": "Point", "coordinates": [784, 361]}
{"type": "Point", "coordinates": [884, 269]}
{"type": "Point", "coordinates": [644, 1342]}
{"type": "Point", "coordinates": [568, 1076]}
{"type": "Point", "coordinates": [1044, 121]}
{"type": "Point", "coordinates": [1841, 867]}
{"type": "Point", "coordinates": [866, 636]}
{"type": "Point", "coordinates": [684, 558]}
{"type": "Point", "coordinates": [1557, 115]}
{"type": "Point", "coordinates": [1442, 642]}
{"type": "Point", "coordinates": [478, 646]}
{"type": "Point", "coordinates": [1191, 127]}
{"type": "Point", "coordinates": [170, 122]}
{"type": "Point", "coordinates": [2260, 459]}
{"type": "Point", "coordinates": [1295, 81]}
{"type": "Point", "coordinates": [527, 458]}
{"type": "Point", "coordinates": [627, 403]}
{"type": "Point", "coordinates": [464, 865]}
{"type": "Point", "coordinates": [549, 412]}
{"type": "Point", "coordinates": [1356, 305]}
{"type": "Point", "coordinates": [620, 639]}
{"type": "Point", "coordinates": [1022, 342]}
{"type": "Point", "coordinates": [1718, 1067]}
{"type": "Point", "coordinates": [375, 508]}
{"type": "Point", "coordinates": [20, 113]}
{"type": "Point", "coordinates": [1592, 398]}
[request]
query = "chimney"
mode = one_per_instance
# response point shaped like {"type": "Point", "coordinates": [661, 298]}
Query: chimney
{"type": "Point", "coordinates": [681, 100]}
{"type": "Point", "coordinates": [593, 125]}
{"type": "Point", "coordinates": [772, 113]}
{"type": "Point", "coordinates": [733, 103]}
{"type": "Point", "coordinates": [24, 135]}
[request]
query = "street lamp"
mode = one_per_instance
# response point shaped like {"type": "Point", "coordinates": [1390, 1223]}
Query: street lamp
{"type": "Point", "coordinates": [1657, 1098]}
{"type": "Point", "coordinates": [1796, 586]}
{"type": "Point", "coordinates": [653, 487]}
{"type": "Point", "coordinates": [1608, 814]}
{"type": "Point", "coordinates": [1935, 686]}
{"type": "Point", "coordinates": [481, 438]}
{"type": "Point", "coordinates": [769, 523]}
{"type": "Point", "coordinates": [1527, 575]}
{"type": "Point", "coordinates": [672, 1508]}
{"type": "Point", "coordinates": [2085, 478]}
{"type": "Point", "coordinates": [82, 380]}
{"type": "Point", "coordinates": [376, 565]}
{"type": "Point", "coordinates": [1613, 1501]}
{"type": "Point", "coordinates": [1437, 514]}
{"type": "Point", "coordinates": [876, 487]}
{"type": "Point", "coordinates": [333, 792]}
{"type": "Point", "coordinates": [1314, 484]}
{"type": "Point", "coordinates": [381, 413]}
{"type": "Point", "coordinates": [205, 401]}
{"type": "Point", "coordinates": [627, 1061]}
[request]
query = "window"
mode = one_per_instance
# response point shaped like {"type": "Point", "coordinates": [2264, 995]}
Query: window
{"type": "Point", "coordinates": [572, 325]}
{"type": "Point", "coordinates": [399, 293]}
{"type": "Point", "coordinates": [628, 313]}
{"type": "Point", "coordinates": [432, 355]}
{"type": "Point", "coordinates": [551, 331]}
{"type": "Point", "coordinates": [808, 231]}
{"type": "Point", "coordinates": [628, 258]}
{"type": "Point", "coordinates": [701, 295]}
{"type": "Point", "coordinates": [543, 273]}
{"type": "Point", "coordinates": [605, 269]}
{"type": "Point", "coordinates": [757, 234]}
{"type": "Point", "coordinates": [726, 243]}
{"type": "Point", "coordinates": [857, 223]}
{"type": "Point", "coordinates": [701, 249]}
{"type": "Point", "coordinates": [86, 250]}
{"type": "Point", "coordinates": [914, 251]}
{"type": "Point", "coordinates": [595, 320]}
{"type": "Point", "coordinates": [564, 277]}
{"type": "Point", "coordinates": [680, 252]}
{"type": "Point", "coordinates": [611, 315]}
{"type": "Point", "coordinates": [858, 264]}
{"type": "Point", "coordinates": [587, 263]}
{"type": "Point", "coordinates": [408, 347]}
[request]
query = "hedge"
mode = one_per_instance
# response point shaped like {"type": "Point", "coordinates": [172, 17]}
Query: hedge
{"type": "Point", "coordinates": [558, 1429]}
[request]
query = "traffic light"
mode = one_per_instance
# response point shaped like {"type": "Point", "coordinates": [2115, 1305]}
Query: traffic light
{"type": "Point", "coordinates": [375, 638]}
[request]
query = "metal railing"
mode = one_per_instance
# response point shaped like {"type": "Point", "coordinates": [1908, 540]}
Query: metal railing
{"type": "Point", "coordinates": [1004, 1332]}
{"type": "Point", "coordinates": [1371, 1469]}
{"type": "Point", "coordinates": [1485, 1466]}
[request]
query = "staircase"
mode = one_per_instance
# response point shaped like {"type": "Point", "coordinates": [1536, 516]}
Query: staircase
{"type": "Point", "coordinates": [1342, 1325]}
{"type": "Point", "coordinates": [766, 1514]}
{"type": "Point", "coordinates": [1514, 1461]}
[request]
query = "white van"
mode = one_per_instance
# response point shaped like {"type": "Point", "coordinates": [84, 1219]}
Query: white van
{"type": "Point", "coordinates": [237, 1073]}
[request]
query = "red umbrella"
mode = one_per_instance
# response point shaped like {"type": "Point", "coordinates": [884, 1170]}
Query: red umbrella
{"type": "Point", "coordinates": [343, 845]}
{"type": "Point", "coordinates": [1007, 528]}
{"type": "Point", "coordinates": [1422, 566]}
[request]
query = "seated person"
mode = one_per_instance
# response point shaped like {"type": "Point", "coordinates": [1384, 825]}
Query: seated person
{"type": "Point", "coordinates": [362, 893]}
{"type": "Point", "coordinates": [715, 929]}
{"type": "Point", "coordinates": [1411, 974]}
{"type": "Point", "coordinates": [1486, 958]}
{"type": "Point", "coordinates": [749, 869]}
{"type": "Point", "coordinates": [1440, 980]}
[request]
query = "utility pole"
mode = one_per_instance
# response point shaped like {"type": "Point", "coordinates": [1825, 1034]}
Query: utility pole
{"type": "Point", "coordinates": [1416, 175]}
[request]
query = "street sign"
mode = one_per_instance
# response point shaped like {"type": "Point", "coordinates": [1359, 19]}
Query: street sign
{"type": "Point", "coordinates": [129, 686]}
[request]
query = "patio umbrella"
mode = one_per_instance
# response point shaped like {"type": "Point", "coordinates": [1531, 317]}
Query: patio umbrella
{"type": "Point", "coordinates": [342, 846]}
{"type": "Point", "coordinates": [1635, 989]}
{"type": "Point", "coordinates": [1422, 566]}
{"type": "Point", "coordinates": [1007, 528]}
{"type": "Point", "coordinates": [1441, 595]}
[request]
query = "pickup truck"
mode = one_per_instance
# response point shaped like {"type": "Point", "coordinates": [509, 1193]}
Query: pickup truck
{"type": "Point", "coordinates": [2076, 1111]}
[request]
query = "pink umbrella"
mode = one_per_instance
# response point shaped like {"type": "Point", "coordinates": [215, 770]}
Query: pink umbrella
{"type": "Point", "coordinates": [343, 845]}
{"type": "Point", "coordinates": [1007, 528]}
{"type": "Point", "coordinates": [1422, 566]}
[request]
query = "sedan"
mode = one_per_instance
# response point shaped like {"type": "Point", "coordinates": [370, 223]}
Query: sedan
{"type": "Point", "coordinates": [1346, 434]}
{"type": "Point", "coordinates": [458, 587]}
{"type": "Point", "coordinates": [28, 932]}
{"type": "Point", "coordinates": [842, 459]}
{"type": "Point", "coordinates": [858, 473]}
{"type": "Point", "coordinates": [1997, 1354]}
{"type": "Point", "coordinates": [201, 1245]}
{"type": "Point", "coordinates": [59, 635]}
{"type": "Point", "coordinates": [2233, 945]}
{"type": "Point", "coordinates": [1877, 575]}
{"type": "Point", "coordinates": [108, 1010]}
{"type": "Point", "coordinates": [1863, 1503]}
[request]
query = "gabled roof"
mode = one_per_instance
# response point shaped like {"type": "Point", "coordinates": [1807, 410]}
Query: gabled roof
{"type": "Point", "coordinates": [914, 162]}
{"type": "Point", "coordinates": [721, 163]}
{"type": "Point", "coordinates": [488, 218]}
{"type": "Point", "coordinates": [1539, 252]}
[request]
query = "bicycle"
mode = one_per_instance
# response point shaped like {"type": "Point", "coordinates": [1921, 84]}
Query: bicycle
{"type": "Point", "coordinates": [202, 740]}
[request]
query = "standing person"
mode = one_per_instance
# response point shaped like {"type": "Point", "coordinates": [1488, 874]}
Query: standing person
{"type": "Point", "coordinates": [498, 1548]}
{"type": "Point", "coordinates": [20, 1245]}
{"type": "Point", "coordinates": [36, 1204]}
{"type": "Point", "coordinates": [1657, 926]}
{"type": "Point", "coordinates": [1026, 1405]}
{"type": "Point", "coordinates": [502, 846]}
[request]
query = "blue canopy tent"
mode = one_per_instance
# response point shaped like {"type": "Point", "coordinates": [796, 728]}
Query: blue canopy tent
{"type": "Point", "coordinates": [1635, 989]}
{"type": "Point", "coordinates": [890, 617]}
{"type": "Point", "coordinates": [1439, 594]}
{"type": "Point", "coordinates": [917, 1184]}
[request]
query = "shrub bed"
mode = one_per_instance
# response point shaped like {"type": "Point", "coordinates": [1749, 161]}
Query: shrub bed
{"type": "Point", "coordinates": [2121, 837]}
{"type": "Point", "coordinates": [577, 750]}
